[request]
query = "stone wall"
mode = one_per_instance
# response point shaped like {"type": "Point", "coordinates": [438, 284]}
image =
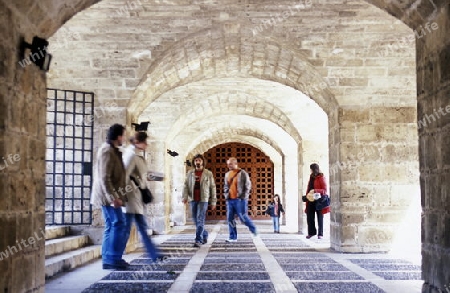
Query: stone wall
{"type": "Point", "coordinates": [22, 166]}
{"type": "Point", "coordinates": [433, 88]}
{"type": "Point", "coordinates": [22, 100]}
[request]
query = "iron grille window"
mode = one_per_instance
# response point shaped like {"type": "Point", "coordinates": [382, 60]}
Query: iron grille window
{"type": "Point", "coordinates": [69, 157]}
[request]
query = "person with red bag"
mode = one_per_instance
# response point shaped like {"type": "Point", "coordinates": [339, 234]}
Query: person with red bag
{"type": "Point", "coordinates": [317, 187]}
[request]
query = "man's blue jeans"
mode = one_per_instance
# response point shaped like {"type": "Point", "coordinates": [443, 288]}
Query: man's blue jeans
{"type": "Point", "coordinates": [142, 228]}
{"type": "Point", "coordinates": [198, 210]}
{"type": "Point", "coordinates": [276, 224]}
{"type": "Point", "coordinates": [114, 240]}
{"type": "Point", "coordinates": [238, 207]}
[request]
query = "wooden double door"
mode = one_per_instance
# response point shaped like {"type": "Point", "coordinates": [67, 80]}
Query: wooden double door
{"type": "Point", "coordinates": [256, 163]}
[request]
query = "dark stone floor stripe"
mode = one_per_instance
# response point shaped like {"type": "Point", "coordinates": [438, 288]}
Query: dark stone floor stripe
{"type": "Point", "coordinates": [305, 261]}
{"type": "Point", "coordinates": [148, 261]}
{"type": "Point", "coordinates": [209, 260]}
{"type": "Point", "coordinates": [378, 261]}
{"type": "Point", "coordinates": [233, 267]}
{"type": "Point", "coordinates": [127, 287]}
{"type": "Point", "coordinates": [225, 287]}
{"type": "Point", "coordinates": [313, 267]}
{"type": "Point", "coordinates": [337, 287]}
{"type": "Point", "coordinates": [400, 275]}
{"type": "Point", "coordinates": [236, 255]}
{"type": "Point", "coordinates": [143, 276]}
{"type": "Point", "coordinates": [323, 276]}
{"type": "Point", "coordinates": [233, 276]}
{"type": "Point", "coordinates": [389, 267]}
{"type": "Point", "coordinates": [156, 267]}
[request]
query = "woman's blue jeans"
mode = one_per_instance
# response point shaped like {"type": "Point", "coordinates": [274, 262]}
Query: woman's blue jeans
{"type": "Point", "coordinates": [276, 224]}
{"type": "Point", "coordinates": [142, 228]}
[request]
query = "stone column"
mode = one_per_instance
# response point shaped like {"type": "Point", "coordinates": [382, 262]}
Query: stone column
{"type": "Point", "coordinates": [22, 161]}
{"type": "Point", "coordinates": [291, 206]}
{"type": "Point", "coordinates": [378, 172]}
{"type": "Point", "coordinates": [433, 88]}
{"type": "Point", "coordinates": [159, 210]}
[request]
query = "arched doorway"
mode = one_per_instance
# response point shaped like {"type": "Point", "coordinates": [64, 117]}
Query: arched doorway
{"type": "Point", "coordinates": [260, 168]}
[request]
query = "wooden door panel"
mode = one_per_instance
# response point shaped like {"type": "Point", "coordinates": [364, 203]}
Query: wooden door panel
{"type": "Point", "coordinates": [256, 163]}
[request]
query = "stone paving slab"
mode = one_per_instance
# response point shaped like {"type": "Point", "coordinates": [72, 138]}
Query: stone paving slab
{"type": "Point", "coordinates": [233, 276]}
{"type": "Point", "coordinates": [156, 267]}
{"type": "Point", "coordinates": [305, 261]}
{"type": "Point", "coordinates": [236, 255]}
{"type": "Point", "coordinates": [389, 267]}
{"type": "Point", "coordinates": [210, 260]}
{"type": "Point", "coordinates": [285, 244]}
{"type": "Point", "coordinates": [127, 287]}
{"type": "Point", "coordinates": [302, 255]}
{"type": "Point", "coordinates": [232, 287]}
{"type": "Point", "coordinates": [148, 261]}
{"type": "Point", "coordinates": [232, 249]}
{"type": "Point", "coordinates": [378, 261]}
{"type": "Point", "coordinates": [290, 249]}
{"type": "Point", "coordinates": [323, 276]}
{"type": "Point", "coordinates": [233, 267]}
{"type": "Point", "coordinates": [143, 276]}
{"type": "Point", "coordinates": [400, 275]}
{"type": "Point", "coordinates": [314, 267]}
{"type": "Point", "coordinates": [337, 287]}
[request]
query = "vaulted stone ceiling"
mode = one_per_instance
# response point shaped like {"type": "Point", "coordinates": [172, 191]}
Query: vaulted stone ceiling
{"type": "Point", "coordinates": [291, 63]}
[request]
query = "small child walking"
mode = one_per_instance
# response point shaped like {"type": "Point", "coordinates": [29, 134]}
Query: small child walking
{"type": "Point", "coordinates": [274, 210]}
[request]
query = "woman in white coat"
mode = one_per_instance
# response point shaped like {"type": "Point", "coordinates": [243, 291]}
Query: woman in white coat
{"type": "Point", "coordinates": [136, 167]}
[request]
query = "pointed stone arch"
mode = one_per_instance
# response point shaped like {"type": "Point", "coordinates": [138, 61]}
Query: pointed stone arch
{"type": "Point", "coordinates": [215, 105]}
{"type": "Point", "coordinates": [230, 50]}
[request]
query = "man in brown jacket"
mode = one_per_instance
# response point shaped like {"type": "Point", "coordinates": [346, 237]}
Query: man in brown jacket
{"type": "Point", "coordinates": [109, 193]}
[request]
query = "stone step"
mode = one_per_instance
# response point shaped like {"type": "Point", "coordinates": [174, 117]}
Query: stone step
{"type": "Point", "coordinates": [53, 232]}
{"type": "Point", "coordinates": [70, 260]}
{"type": "Point", "coordinates": [68, 243]}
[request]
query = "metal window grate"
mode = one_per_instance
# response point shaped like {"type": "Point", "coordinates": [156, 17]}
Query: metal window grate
{"type": "Point", "coordinates": [69, 157]}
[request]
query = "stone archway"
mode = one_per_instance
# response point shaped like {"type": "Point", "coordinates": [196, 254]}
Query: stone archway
{"type": "Point", "coordinates": [27, 87]}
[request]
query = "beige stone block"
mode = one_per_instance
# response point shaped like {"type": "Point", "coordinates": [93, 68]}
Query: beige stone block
{"type": "Point", "coordinates": [341, 72]}
{"type": "Point", "coordinates": [348, 236]}
{"type": "Point", "coordinates": [393, 115]}
{"type": "Point", "coordinates": [352, 115]}
{"type": "Point", "coordinates": [317, 62]}
{"type": "Point", "coordinates": [399, 153]}
{"type": "Point", "coordinates": [355, 154]}
{"type": "Point", "coordinates": [353, 82]}
{"type": "Point", "coordinates": [388, 133]}
{"type": "Point", "coordinates": [374, 236]}
{"type": "Point", "coordinates": [372, 71]}
{"type": "Point", "coordinates": [347, 134]}
{"type": "Point", "coordinates": [371, 173]}
{"type": "Point", "coordinates": [345, 62]}
{"type": "Point", "coordinates": [381, 216]}
{"type": "Point", "coordinates": [352, 219]}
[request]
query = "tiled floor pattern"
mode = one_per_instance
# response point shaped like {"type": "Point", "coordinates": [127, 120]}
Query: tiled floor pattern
{"type": "Point", "coordinates": [267, 263]}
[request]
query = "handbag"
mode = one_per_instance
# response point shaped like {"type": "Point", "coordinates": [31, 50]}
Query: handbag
{"type": "Point", "coordinates": [322, 202]}
{"type": "Point", "coordinates": [147, 196]}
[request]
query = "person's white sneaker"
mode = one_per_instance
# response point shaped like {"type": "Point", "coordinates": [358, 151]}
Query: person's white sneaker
{"type": "Point", "coordinates": [231, 240]}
